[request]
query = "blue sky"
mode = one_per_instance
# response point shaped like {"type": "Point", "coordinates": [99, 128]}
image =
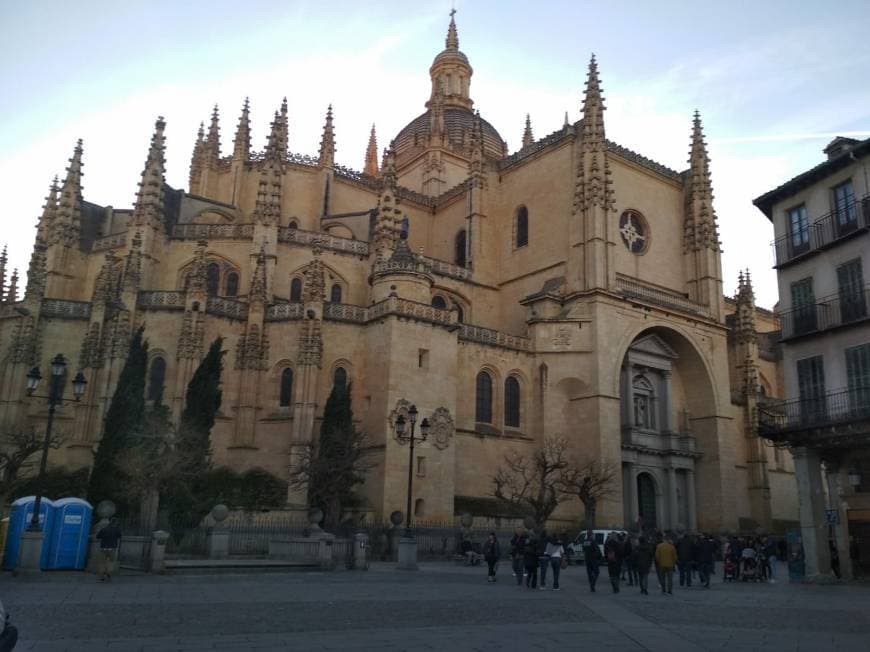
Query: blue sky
{"type": "Point", "coordinates": [773, 81]}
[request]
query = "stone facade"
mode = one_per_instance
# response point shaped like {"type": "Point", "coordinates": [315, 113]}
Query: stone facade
{"type": "Point", "coordinates": [509, 296]}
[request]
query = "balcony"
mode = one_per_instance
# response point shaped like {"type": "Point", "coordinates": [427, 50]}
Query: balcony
{"type": "Point", "coordinates": [633, 288]}
{"type": "Point", "coordinates": [826, 314]}
{"type": "Point", "coordinates": [835, 418]}
{"type": "Point", "coordinates": [825, 231]}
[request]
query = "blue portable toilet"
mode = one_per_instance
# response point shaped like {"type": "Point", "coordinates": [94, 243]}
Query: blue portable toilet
{"type": "Point", "coordinates": [68, 540]}
{"type": "Point", "coordinates": [19, 519]}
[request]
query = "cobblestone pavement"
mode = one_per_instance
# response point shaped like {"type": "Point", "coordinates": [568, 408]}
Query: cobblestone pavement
{"type": "Point", "coordinates": [441, 607]}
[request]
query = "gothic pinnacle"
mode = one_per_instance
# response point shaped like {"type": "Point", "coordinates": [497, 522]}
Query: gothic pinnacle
{"type": "Point", "coordinates": [283, 141]}
{"type": "Point", "coordinates": [67, 224]}
{"type": "Point", "coordinates": [528, 138]}
{"type": "Point", "coordinates": [701, 229]}
{"type": "Point", "coordinates": [12, 292]}
{"type": "Point", "coordinates": [148, 209]}
{"type": "Point", "coordinates": [452, 41]}
{"type": "Point", "coordinates": [371, 165]}
{"type": "Point", "coordinates": [593, 104]}
{"type": "Point", "coordinates": [49, 212]}
{"type": "Point", "coordinates": [327, 142]}
{"type": "Point", "coordinates": [242, 141]}
{"type": "Point", "coordinates": [213, 141]}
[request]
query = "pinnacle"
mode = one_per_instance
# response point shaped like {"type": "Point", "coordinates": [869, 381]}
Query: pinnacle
{"type": "Point", "coordinates": [242, 141]}
{"type": "Point", "coordinates": [452, 42]}
{"type": "Point", "coordinates": [371, 162]}
{"type": "Point", "coordinates": [528, 138]}
{"type": "Point", "coordinates": [327, 142]}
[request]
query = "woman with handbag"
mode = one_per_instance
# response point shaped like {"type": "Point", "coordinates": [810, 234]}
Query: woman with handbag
{"type": "Point", "coordinates": [556, 552]}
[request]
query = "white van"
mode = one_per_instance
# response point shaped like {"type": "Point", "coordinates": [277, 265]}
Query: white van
{"type": "Point", "coordinates": [575, 548]}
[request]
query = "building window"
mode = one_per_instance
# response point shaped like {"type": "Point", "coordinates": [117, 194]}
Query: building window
{"type": "Point", "coordinates": [483, 403]}
{"type": "Point", "coordinates": [285, 395]}
{"type": "Point", "coordinates": [858, 378]}
{"type": "Point", "coordinates": [335, 294]}
{"type": "Point", "coordinates": [512, 402]}
{"type": "Point", "coordinates": [635, 231]}
{"type": "Point", "coordinates": [419, 507]}
{"type": "Point", "coordinates": [850, 279]}
{"type": "Point", "coordinates": [522, 226]}
{"type": "Point", "coordinates": [460, 315]}
{"type": "Point", "coordinates": [213, 279]}
{"type": "Point", "coordinates": [799, 230]}
{"type": "Point", "coordinates": [296, 290]}
{"type": "Point", "coordinates": [644, 403]}
{"type": "Point", "coordinates": [423, 358]}
{"type": "Point", "coordinates": [339, 379]}
{"type": "Point", "coordinates": [811, 388]}
{"type": "Point", "coordinates": [459, 248]}
{"type": "Point", "coordinates": [293, 225]}
{"type": "Point", "coordinates": [803, 306]}
{"type": "Point", "coordinates": [232, 284]}
{"type": "Point", "coordinates": [439, 302]}
{"type": "Point", "coordinates": [421, 466]}
{"type": "Point", "coordinates": [156, 379]}
{"type": "Point", "coordinates": [845, 208]}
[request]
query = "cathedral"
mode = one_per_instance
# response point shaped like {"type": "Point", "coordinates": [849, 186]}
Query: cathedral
{"type": "Point", "coordinates": [571, 288]}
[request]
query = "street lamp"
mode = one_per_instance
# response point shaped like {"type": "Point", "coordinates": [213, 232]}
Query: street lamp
{"type": "Point", "coordinates": [55, 398]}
{"type": "Point", "coordinates": [403, 434]}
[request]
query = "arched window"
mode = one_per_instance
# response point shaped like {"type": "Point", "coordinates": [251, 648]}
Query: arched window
{"type": "Point", "coordinates": [293, 225]}
{"type": "Point", "coordinates": [439, 302]}
{"type": "Point", "coordinates": [512, 402]}
{"type": "Point", "coordinates": [522, 226]}
{"type": "Point", "coordinates": [335, 294]}
{"type": "Point", "coordinates": [213, 279]}
{"type": "Point", "coordinates": [483, 403]}
{"type": "Point", "coordinates": [459, 248]}
{"type": "Point", "coordinates": [232, 284]}
{"type": "Point", "coordinates": [285, 396]}
{"type": "Point", "coordinates": [156, 378]}
{"type": "Point", "coordinates": [339, 378]}
{"type": "Point", "coordinates": [644, 410]}
{"type": "Point", "coordinates": [296, 290]}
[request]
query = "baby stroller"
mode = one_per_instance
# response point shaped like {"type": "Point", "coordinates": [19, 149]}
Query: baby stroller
{"type": "Point", "coordinates": [729, 570]}
{"type": "Point", "coordinates": [750, 570]}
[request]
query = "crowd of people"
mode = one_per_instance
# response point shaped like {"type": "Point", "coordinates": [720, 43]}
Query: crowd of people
{"type": "Point", "coordinates": [630, 559]}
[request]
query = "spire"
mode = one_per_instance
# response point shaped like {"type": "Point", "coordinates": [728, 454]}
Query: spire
{"type": "Point", "coordinates": [327, 142]}
{"type": "Point", "coordinates": [528, 138]}
{"type": "Point", "coordinates": [267, 208]}
{"type": "Point", "coordinates": [149, 207]}
{"type": "Point", "coordinates": [213, 141]}
{"type": "Point", "coordinates": [567, 122]}
{"type": "Point", "coordinates": [12, 292]}
{"type": "Point", "coordinates": [701, 229]}
{"type": "Point", "coordinates": [197, 160]}
{"type": "Point", "coordinates": [242, 141]}
{"type": "Point", "coordinates": [452, 41]}
{"type": "Point", "coordinates": [744, 327]}
{"type": "Point", "coordinates": [594, 186]}
{"type": "Point", "coordinates": [282, 141]}
{"type": "Point", "coordinates": [371, 166]}
{"type": "Point", "coordinates": [67, 224]}
{"type": "Point", "coordinates": [49, 213]}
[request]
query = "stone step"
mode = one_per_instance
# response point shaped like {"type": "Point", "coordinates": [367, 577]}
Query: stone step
{"type": "Point", "coordinates": [176, 566]}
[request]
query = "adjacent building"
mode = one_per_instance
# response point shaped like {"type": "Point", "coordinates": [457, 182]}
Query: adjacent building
{"type": "Point", "coordinates": [821, 221]}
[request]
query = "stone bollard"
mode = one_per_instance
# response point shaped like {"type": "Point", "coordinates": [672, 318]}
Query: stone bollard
{"type": "Point", "coordinates": [219, 537]}
{"type": "Point", "coordinates": [158, 551]}
{"type": "Point", "coordinates": [360, 551]}
{"type": "Point", "coordinates": [324, 551]}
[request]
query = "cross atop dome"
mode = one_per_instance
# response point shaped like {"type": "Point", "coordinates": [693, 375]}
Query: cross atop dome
{"type": "Point", "coordinates": [451, 72]}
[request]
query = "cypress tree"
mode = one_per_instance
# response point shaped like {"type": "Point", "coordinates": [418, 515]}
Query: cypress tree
{"type": "Point", "coordinates": [122, 420]}
{"type": "Point", "coordinates": [202, 402]}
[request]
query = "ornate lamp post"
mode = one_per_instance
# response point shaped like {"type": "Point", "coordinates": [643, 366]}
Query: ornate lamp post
{"type": "Point", "coordinates": [55, 398]}
{"type": "Point", "coordinates": [408, 543]}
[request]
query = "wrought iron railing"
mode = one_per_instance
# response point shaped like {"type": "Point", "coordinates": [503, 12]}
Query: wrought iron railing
{"type": "Point", "coordinates": [824, 231]}
{"type": "Point", "coordinates": [826, 313]}
{"type": "Point", "coordinates": [636, 289]}
{"type": "Point", "coordinates": [162, 299]}
{"type": "Point", "coordinates": [324, 240]}
{"type": "Point", "coordinates": [229, 308]}
{"type": "Point", "coordinates": [64, 309]}
{"type": "Point", "coordinates": [829, 409]}
{"type": "Point", "coordinates": [213, 231]}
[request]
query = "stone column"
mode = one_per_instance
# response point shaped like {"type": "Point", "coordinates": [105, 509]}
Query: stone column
{"type": "Point", "coordinates": [690, 500]}
{"type": "Point", "coordinates": [666, 407]}
{"type": "Point", "coordinates": [673, 510]}
{"type": "Point", "coordinates": [811, 502]}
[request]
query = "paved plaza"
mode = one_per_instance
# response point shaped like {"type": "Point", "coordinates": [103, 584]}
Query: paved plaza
{"type": "Point", "coordinates": [441, 607]}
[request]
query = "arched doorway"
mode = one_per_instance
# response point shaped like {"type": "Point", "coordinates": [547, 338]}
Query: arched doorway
{"type": "Point", "coordinates": [646, 500]}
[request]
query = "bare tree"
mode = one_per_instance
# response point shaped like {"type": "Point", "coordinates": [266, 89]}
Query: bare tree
{"type": "Point", "coordinates": [532, 484]}
{"type": "Point", "coordinates": [16, 447]}
{"type": "Point", "coordinates": [591, 481]}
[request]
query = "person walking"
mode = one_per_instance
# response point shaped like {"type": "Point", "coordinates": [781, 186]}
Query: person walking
{"type": "Point", "coordinates": [613, 555]}
{"type": "Point", "coordinates": [707, 550]}
{"type": "Point", "coordinates": [518, 546]}
{"type": "Point", "coordinates": [666, 559]}
{"type": "Point", "coordinates": [684, 560]}
{"type": "Point", "coordinates": [110, 539]}
{"type": "Point", "coordinates": [530, 560]}
{"type": "Point", "coordinates": [491, 553]}
{"type": "Point", "coordinates": [592, 559]}
{"type": "Point", "coordinates": [643, 557]}
{"type": "Point", "coordinates": [770, 555]}
{"type": "Point", "coordinates": [556, 553]}
{"type": "Point", "coordinates": [543, 559]}
{"type": "Point", "coordinates": [628, 560]}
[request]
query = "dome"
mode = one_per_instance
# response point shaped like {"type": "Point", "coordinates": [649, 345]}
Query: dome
{"type": "Point", "coordinates": [448, 55]}
{"type": "Point", "coordinates": [458, 121]}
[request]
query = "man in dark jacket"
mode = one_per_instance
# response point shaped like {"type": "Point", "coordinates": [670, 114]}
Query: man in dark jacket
{"type": "Point", "coordinates": [592, 559]}
{"type": "Point", "coordinates": [110, 539]}
{"type": "Point", "coordinates": [613, 555]}
{"type": "Point", "coordinates": [684, 560]}
{"type": "Point", "coordinates": [707, 550]}
{"type": "Point", "coordinates": [518, 546]}
{"type": "Point", "coordinates": [643, 557]}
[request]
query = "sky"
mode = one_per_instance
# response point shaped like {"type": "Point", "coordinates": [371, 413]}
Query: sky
{"type": "Point", "coordinates": [774, 81]}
